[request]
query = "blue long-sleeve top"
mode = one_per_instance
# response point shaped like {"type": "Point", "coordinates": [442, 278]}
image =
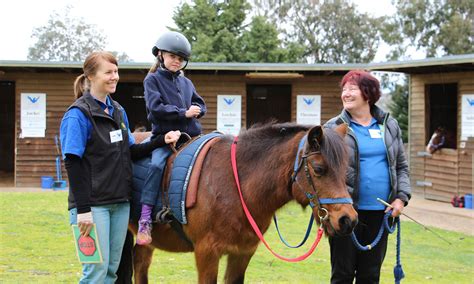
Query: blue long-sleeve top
{"type": "Point", "coordinates": [168, 96]}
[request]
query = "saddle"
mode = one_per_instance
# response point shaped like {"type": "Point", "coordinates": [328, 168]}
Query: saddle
{"type": "Point", "coordinates": [180, 180]}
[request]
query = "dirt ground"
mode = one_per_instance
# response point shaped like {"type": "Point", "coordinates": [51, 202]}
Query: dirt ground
{"type": "Point", "coordinates": [427, 212]}
{"type": "Point", "coordinates": [440, 215]}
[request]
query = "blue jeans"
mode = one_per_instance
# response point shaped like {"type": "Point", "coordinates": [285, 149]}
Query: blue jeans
{"type": "Point", "coordinates": [155, 175]}
{"type": "Point", "coordinates": [111, 222]}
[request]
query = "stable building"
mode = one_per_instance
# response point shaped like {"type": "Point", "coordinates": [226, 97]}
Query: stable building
{"type": "Point", "coordinates": [441, 93]}
{"type": "Point", "coordinates": [264, 92]}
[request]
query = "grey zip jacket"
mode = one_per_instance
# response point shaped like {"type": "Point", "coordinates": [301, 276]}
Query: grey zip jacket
{"type": "Point", "coordinates": [399, 172]}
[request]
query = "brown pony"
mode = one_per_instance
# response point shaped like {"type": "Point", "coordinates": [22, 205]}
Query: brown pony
{"type": "Point", "coordinates": [441, 138]}
{"type": "Point", "coordinates": [265, 156]}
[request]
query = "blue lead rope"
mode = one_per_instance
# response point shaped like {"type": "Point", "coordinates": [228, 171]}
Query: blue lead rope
{"type": "Point", "coordinates": [308, 231]}
{"type": "Point", "coordinates": [397, 270]}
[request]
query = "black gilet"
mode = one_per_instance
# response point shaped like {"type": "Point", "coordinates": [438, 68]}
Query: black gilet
{"type": "Point", "coordinates": [107, 167]}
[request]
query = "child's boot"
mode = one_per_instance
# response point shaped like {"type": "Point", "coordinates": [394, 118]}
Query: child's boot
{"type": "Point", "coordinates": [145, 226]}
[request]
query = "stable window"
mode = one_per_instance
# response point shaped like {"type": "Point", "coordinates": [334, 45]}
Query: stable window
{"type": "Point", "coordinates": [441, 109]}
{"type": "Point", "coordinates": [131, 97]}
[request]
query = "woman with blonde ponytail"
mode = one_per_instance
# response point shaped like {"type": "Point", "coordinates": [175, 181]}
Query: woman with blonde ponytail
{"type": "Point", "coordinates": [98, 148]}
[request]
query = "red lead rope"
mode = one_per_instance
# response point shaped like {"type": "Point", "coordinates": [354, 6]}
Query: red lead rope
{"type": "Point", "coordinates": [252, 222]}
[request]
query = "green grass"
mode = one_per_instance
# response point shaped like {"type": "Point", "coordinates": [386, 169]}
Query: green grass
{"type": "Point", "coordinates": [36, 246]}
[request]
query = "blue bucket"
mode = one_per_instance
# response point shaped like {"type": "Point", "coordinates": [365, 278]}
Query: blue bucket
{"type": "Point", "coordinates": [468, 201]}
{"type": "Point", "coordinates": [47, 182]}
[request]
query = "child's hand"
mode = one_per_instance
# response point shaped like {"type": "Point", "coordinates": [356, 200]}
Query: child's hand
{"type": "Point", "coordinates": [172, 137]}
{"type": "Point", "coordinates": [193, 111]}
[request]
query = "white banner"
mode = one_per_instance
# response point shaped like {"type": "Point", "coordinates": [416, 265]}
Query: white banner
{"type": "Point", "coordinates": [229, 108]}
{"type": "Point", "coordinates": [467, 117]}
{"type": "Point", "coordinates": [33, 115]}
{"type": "Point", "coordinates": [308, 109]}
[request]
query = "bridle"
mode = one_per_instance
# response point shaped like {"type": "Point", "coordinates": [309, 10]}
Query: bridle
{"type": "Point", "coordinates": [314, 200]}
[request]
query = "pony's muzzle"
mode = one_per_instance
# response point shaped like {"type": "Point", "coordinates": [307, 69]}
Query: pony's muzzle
{"type": "Point", "coordinates": [346, 225]}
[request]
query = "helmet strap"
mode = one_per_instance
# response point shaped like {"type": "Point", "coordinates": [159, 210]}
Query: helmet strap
{"type": "Point", "coordinates": [162, 61]}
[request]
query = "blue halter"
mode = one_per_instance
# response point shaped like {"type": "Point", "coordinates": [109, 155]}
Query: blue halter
{"type": "Point", "coordinates": [310, 196]}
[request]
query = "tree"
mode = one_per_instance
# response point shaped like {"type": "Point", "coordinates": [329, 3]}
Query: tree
{"type": "Point", "coordinates": [218, 33]}
{"type": "Point", "coordinates": [213, 28]}
{"type": "Point", "coordinates": [436, 27]}
{"type": "Point", "coordinates": [397, 98]}
{"type": "Point", "coordinates": [331, 31]}
{"type": "Point", "coordinates": [65, 38]}
{"type": "Point", "coordinates": [261, 44]}
{"type": "Point", "coordinates": [399, 108]}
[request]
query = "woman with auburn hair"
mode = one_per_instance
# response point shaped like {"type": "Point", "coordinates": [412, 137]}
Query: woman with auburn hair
{"type": "Point", "coordinates": [377, 169]}
{"type": "Point", "coordinates": [98, 147]}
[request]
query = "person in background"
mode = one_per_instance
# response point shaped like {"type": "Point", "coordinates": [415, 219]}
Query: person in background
{"type": "Point", "coordinates": [98, 148]}
{"type": "Point", "coordinates": [377, 169]}
{"type": "Point", "coordinates": [173, 104]}
{"type": "Point", "coordinates": [139, 127]}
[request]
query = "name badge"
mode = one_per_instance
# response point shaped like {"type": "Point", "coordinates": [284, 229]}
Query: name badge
{"type": "Point", "coordinates": [116, 136]}
{"type": "Point", "coordinates": [375, 133]}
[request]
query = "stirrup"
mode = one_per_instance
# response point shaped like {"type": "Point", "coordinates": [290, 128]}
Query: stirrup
{"type": "Point", "coordinates": [162, 216]}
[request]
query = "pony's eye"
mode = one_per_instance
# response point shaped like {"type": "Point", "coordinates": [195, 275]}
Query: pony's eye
{"type": "Point", "coordinates": [318, 169]}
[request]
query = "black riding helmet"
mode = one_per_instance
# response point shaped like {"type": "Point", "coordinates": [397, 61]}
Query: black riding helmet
{"type": "Point", "coordinates": [173, 42]}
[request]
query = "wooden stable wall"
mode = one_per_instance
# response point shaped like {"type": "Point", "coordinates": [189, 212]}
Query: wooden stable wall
{"type": "Point", "coordinates": [35, 157]}
{"type": "Point", "coordinates": [448, 172]}
{"type": "Point", "coordinates": [209, 86]}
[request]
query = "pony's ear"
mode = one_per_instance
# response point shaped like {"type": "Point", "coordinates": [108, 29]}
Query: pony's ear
{"type": "Point", "coordinates": [315, 137]}
{"type": "Point", "coordinates": [341, 129]}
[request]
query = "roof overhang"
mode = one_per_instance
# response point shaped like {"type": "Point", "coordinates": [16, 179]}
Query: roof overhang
{"type": "Point", "coordinates": [455, 63]}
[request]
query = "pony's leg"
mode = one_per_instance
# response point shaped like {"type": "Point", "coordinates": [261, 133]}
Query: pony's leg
{"type": "Point", "coordinates": [142, 256]}
{"type": "Point", "coordinates": [236, 266]}
{"type": "Point", "coordinates": [125, 269]}
{"type": "Point", "coordinates": [207, 263]}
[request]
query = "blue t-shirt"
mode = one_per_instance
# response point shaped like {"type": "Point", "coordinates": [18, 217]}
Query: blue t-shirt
{"type": "Point", "coordinates": [76, 128]}
{"type": "Point", "coordinates": [374, 179]}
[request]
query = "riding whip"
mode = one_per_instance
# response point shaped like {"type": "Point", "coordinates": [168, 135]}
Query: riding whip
{"type": "Point", "coordinates": [424, 227]}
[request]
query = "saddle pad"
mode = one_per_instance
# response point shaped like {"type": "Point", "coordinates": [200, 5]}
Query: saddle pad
{"type": "Point", "coordinates": [191, 195]}
{"type": "Point", "coordinates": [179, 180]}
{"type": "Point", "coordinates": [181, 173]}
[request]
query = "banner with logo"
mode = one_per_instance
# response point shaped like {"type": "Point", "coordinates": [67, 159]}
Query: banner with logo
{"type": "Point", "coordinates": [308, 109]}
{"type": "Point", "coordinates": [467, 117]}
{"type": "Point", "coordinates": [229, 108]}
{"type": "Point", "coordinates": [33, 115]}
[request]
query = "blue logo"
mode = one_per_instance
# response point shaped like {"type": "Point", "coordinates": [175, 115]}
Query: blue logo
{"type": "Point", "coordinates": [33, 100]}
{"type": "Point", "coordinates": [229, 101]}
{"type": "Point", "coordinates": [471, 102]}
{"type": "Point", "coordinates": [308, 101]}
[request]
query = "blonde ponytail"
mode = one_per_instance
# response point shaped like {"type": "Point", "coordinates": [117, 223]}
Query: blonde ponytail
{"type": "Point", "coordinates": [79, 86]}
{"type": "Point", "coordinates": [154, 67]}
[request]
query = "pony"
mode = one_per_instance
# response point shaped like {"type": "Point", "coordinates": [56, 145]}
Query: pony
{"type": "Point", "coordinates": [265, 157]}
{"type": "Point", "coordinates": [441, 138]}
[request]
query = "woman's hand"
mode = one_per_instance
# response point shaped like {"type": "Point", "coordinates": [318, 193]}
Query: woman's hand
{"type": "Point", "coordinates": [397, 207]}
{"type": "Point", "coordinates": [84, 223]}
{"type": "Point", "coordinates": [193, 111]}
{"type": "Point", "coordinates": [172, 137]}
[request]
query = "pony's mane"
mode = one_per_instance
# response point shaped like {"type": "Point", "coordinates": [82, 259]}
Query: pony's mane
{"type": "Point", "coordinates": [334, 150]}
{"type": "Point", "coordinates": [267, 135]}
{"type": "Point", "coordinates": [262, 137]}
